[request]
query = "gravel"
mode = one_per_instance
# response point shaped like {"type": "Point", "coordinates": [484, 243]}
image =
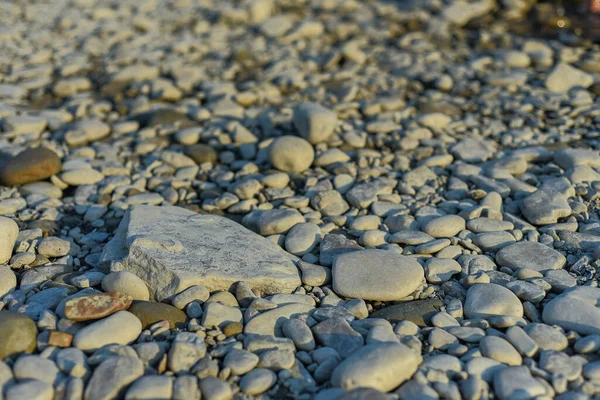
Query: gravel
{"type": "Point", "coordinates": [305, 200]}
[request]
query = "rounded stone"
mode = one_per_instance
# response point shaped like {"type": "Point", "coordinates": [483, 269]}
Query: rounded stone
{"type": "Point", "coordinates": [201, 153]}
{"type": "Point", "coordinates": [258, 381]}
{"type": "Point", "coordinates": [150, 313]}
{"type": "Point", "coordinates": [516, 383]}
{"type": "Point", "coordinates": [530, 255]}
{"type": "Point", "coordinates": [54, 247]}
{"type": "Point", "coordinates": [379, 366]}
{"type": "Point", "coordinates": [376, 275]}
{"type": "Point", "coordinates": [576, 309]}
{"type": "Point", "coordinates": [314, 122]}
{"type": "Point", "coordinates": [444, 227]}
{"type": "Point", "coordinates": [291, 154]}
{"type": "Point", "coordinates": [9, 230]}
{"type": "Point", "coordinates": [18, 334]}
{"type": "Point", "coordinates": [300, 334]}
{"type": "Point", "coordinates": [8, 280]}
{"type": "Point", "coordinates": [46, 189]}
{"type": "Point", "coordinates": [30, 165]}
{"type": "Point", "coordinates": [302, 238]}
{"type": "Point", "coordinates": [488, 299]}
{"type": "Point", "coordinates": [500, 350]}
{"type": "Point", "coordinates": [30, 389]}
{"type": "Point", "coordinates": [81, 176]}
{"type": "Point", "coordinates": [126, 282]}
{"type": "Point", "coordinates": [121, 328]}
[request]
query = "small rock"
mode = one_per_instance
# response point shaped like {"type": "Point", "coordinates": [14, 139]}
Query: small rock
{"type": "Point", "coordinates": [31, 165]}
{"type": "Point", "coordinates": [122, 328]}
{"type": "Point", "coordinates": [127, 283]}
{"type": "Point", "coordinates": [150, 313]}
{"type": "Point", "coordinates": [291, 154]}
{"type": "Point", "coordinates": [96, 306]}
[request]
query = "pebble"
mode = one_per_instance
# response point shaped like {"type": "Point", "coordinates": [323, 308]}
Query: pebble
{"type": "Point", "coordinates": [54, 247]}
{"type": "Point", "coordinates": [564, 77]}
{"type": "Point", "coordinates": [302, 238]}
{"type": "Point", "coordinates": [120, 371]}
{"type": "Point", "coordinates": [18, 334]}
{"type": "Point", "coordinates": [291, 154]}
{"type": "Point", "coordinates": [544, 207]}
{"type": "Point", "coordinates": [530, 255]}
{"type": "Point", "coordinates": [270, 322]}
{"type": "Point", "coordinates": [485, 300]}
{"type": "Point", "coordinates": [81, 176]}
{"type": "Point", "coordinates": [258, 381]}
{"type": "Point", "coordinates": [379, 366]}
{"type": "Point", "coordinates": [127, 283]}
{"type": "Point", "coordinates": [85, 308]}
{"type": "Point", "coordinates": [240, 361]}
{"type": "Point", "coordinates": [219, 315]}
{"type": "Point", "coordinates": [575, 309]}
{"type": "Point", "coordinates": [30, 165]}
{"type": "Point", "coordinates": [9, 231]}
{"type": "Point", "coordinates": [149, 313]}
{"type": "Point", "coordinates": [375, 275]}
{"type": "Point", "coordinates": [500, 350]}
{"type": "Point", "coordinates": [150, 387]}
{"type": "Point", "coordinates": [444, 227]}
{"type": "Point", "coordinates": [418, 312]}
{"type": "Point", "coordinates": [214, 389]}
{"type": "Point", "coordinates": [314, 122]}
{"type": "Point", "coordinates": [517, 383]}
{"type": "Point", "coordinates": [8, 280]}
{"type": "Point", "coordinates": [122, 328]}
{"type": "Point", "coordinates": [31, 389]}
{"type": "Point", "coordinates": [547, 337]}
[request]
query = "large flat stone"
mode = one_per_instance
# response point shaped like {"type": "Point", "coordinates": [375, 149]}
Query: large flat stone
{"type": "Point", "coordinates": [172, 248]}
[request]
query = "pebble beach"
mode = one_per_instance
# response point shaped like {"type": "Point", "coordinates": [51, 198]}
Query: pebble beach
{"type": "Point", "coordinates": [297, 199]}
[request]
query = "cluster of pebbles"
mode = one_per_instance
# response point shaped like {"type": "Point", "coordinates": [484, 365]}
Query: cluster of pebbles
{"type": "Point", "coordinates": [296, 199]}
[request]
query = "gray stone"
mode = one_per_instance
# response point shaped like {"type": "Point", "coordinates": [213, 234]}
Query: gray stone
{"type": "Point", "coordinates": [119, 371]}
{"type": "Point", "coordinates": [291, 154]}
{"type": "Point", "coordinates": [220, 315]}
{"type": "Point", "coordinates": [9, 230]}
{"type": "Point", "coordinates": [376, 275]}
{"type": "Point", "coordinates": [334, 245]}
{"type": "Point", "coordinates": [530, 255]}
{"type": "Point", "coordinates": [270, 322]}
{"type": "Point", "coordinates": [274, 221]}
{"type": "Point", "coordinates": [564, 77]}
{"type": "Point", "coordinates": [379, 366]}
{"type": "Point", "coordinates": [516, 383]}
{"type": "Point", "coordinates": [30, 389]}
{"type": "Point", "coordinates": [444, 227]}
{"type": "Point", "coordinates": [35, 367]}
{"type": "Point", "coordinates": [258, 381]}
{"type": "Point", "coordinates": [314, 122]}
{"type": "Point", "coordinates": [544, 207]}
{"type": "Point", "coordinates": [546, 337]}
{"type": "Point", "coordinates": [205, 250]}
{"type": "Point", "coordinates": [488, 299]}
{"type": "Point", "coordinates": [339, 335]}
{"type": "Point", "coordinates": [576, 309]}
{"type": "Point", "coordinates": [121, 327]}
{"type": "Point", "coordinates": [215, 389]}
{"type": "Point", "coordinates": [151, 388]}
{"type": "Point", "coordinates": [240, 361]}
